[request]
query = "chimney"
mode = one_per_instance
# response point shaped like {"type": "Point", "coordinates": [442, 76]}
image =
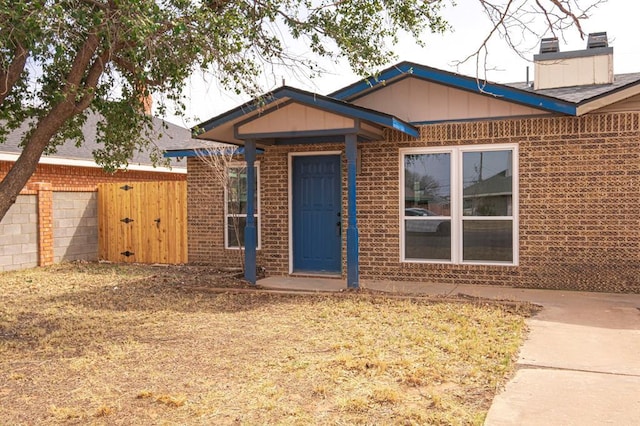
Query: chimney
{"type": "Point", "coordinates": [591, 66]}
{"type": "Point", "coordinates": [147, 103]}
{"type": "Point", "coordinates": [146, 100]}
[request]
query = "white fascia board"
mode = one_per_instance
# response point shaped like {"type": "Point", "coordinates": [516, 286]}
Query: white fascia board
{"type": "Point", "coordinates": [607, 100]}
{"type": "Point", "coordinates": [57, 161]}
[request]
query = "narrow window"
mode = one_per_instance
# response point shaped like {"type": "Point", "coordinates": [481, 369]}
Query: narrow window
{"type": "Point", "coordinates": [236, 206]}
{"type": "Point", "coordinates": [487, 206]}
{"type": "Point", "coordinates": [427, 206]}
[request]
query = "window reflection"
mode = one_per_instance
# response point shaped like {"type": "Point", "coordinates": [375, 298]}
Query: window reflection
{"type": "Point", "coordinates": [488, 183]}
{"type": "Point", "coordinates": [236, 205]}
{"type": "Point", "coordinates": [237, 191]}
{"type": "Point", "coordinates": [427, 183]}
{"type": "Point", "coordinates": [464, 193]}
{"type": "Point", "coordinates": [427, 189]}
{"type": "Point", "coordinates": [428, 239]}
{"type": "Point", "coordinates": [489, 240]}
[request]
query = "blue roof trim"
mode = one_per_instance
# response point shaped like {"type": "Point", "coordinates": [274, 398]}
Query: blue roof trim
{"type": "Point", "coordinates": [319, 101]}
{"type": "Point", "coordinates": [406, 69]}
{"type": "Point", "coordinates": [409, 130]}
{"type": "Point", "coordinates": [237, 112]}
{"type": "Point", "coordinates": [355, 89]}
{"type": "Point", "coordinates": [191, 152]}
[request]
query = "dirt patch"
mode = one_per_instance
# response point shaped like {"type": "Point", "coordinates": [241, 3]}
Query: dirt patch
{"type": "Point", "coordinates": [126, 344]}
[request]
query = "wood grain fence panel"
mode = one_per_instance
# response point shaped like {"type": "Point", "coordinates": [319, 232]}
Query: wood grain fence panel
{"type": "Point", "coordinates": [137, 212]}
{"type": "Point", "coordinates": [145, 223]}
{"type": "Point", "coordinates": [125, 235]}
{"type": "Point", "coordinates": [179, 206]}
{"type": "Point", "coordinates": [103, 235]}
{"type": "Point", "coordinates": [181, 223]}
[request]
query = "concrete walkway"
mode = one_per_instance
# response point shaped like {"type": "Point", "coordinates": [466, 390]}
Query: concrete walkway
{"type": "Point", "coordinates": [580, 364]}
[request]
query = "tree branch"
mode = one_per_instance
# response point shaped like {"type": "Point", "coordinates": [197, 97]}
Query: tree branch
{"type": "Point", "coordinates": [91, 82]}
{"type": "Point", "coordinates": [96, 3]}
{"type": "Point", "coordinates": [11, 76]}
{"type": "Point", "coordinates": [557, 15]}
{"type": "Point", "coordinates": [546, 16]}
{"type": "Point", "coordinates": [569, 14]}
{"type": "Point", "coordinates": [130, 68]}
{"type": "Point", "coordinates": [80, 65]}
{"type": "Point", "coordinates": [496, 26]}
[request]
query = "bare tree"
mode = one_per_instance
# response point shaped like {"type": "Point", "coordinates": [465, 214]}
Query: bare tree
{"type": "Point", "coordinates": [225, 170]}
{"type": "Point", "coordinates": [515, 21]}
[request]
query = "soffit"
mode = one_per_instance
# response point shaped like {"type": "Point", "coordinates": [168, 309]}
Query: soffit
{"type": "Point", "coordinates": [289, 115]}
{"type": "Point", "coordinates": [418, 100]}
{"type": "Point", "coordinates": [403, 70]}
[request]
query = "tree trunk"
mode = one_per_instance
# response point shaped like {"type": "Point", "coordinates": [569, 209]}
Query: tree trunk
{"type": "Point", "coordinates": [26, 164]}
{"type": "Point", "coordinates": [83, 66]}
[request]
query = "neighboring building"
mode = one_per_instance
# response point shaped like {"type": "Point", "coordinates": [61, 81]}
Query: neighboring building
{"type": "Point", "coordinates": [54, 218]}
{"type": "Point", "coordinates": [431, 176]}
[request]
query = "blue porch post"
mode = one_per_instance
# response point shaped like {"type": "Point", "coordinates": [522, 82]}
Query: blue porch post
{"type": "Point", "coordinates": [353, 280]}
{"type": "Point", "coordinates": [250, 240]}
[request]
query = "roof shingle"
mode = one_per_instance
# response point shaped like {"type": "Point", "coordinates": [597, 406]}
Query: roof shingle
{"type": "Point", "coordinates": [170, 135]}
{"type": "Point", "coordinates": [578, 94]}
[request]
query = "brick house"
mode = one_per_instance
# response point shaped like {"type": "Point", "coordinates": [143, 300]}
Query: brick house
{"type": "Point", "coordinates": [54, 218]}
{"type": "Point", "coordinates": [430, 176]}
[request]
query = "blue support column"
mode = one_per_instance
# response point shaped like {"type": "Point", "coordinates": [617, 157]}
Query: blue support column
{"type": "Point", "coordinates": [250, 238]}
{"type": "Point", "coordinates": [353, 279]}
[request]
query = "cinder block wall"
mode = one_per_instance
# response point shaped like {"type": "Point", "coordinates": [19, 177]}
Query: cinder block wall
{"type": "Point", "coordinates": [62, 220]}
{"type": "Point", "coordinates": [579, 201]}
{"type": "Point", "coordinates": [19, 235]}
{"type": "Point", "coordinates": [75, 226]}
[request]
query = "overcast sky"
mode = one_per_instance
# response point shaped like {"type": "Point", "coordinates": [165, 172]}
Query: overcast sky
{"type": "Point", "coordinates": [619, 18]}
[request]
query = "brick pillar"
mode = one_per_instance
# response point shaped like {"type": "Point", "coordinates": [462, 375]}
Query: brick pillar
{"type": "Point", "coordinates": [45, 223]}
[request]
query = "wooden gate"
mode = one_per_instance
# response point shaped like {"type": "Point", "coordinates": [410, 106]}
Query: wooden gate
{"type": "Point", "coordinates": [143, 222]}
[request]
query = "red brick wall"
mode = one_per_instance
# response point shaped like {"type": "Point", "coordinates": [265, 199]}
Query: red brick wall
{"type": "Point", "coordinates": [70, 178]}
{"type": "Point", "coordinates": [45, 224]}
{"type": "Point", "coordinates": [205, 218]}
{"type": "Point", "coordinates": [579, 200]}
{"type": "Point", "coordinates": [52, 178]}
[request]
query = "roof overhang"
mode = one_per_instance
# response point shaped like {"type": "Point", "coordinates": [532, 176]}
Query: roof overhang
{"type": "Point", "coordinates": [63, 161]}
{"type": "Point", "coordinates": [197, 152]}
{"type": "Point", "coordinates": [289, 115]}
{"type": "Point", "coordinates": [458, 81]}
{"type": "Point", "coordinates": [293, 116]}
{"type": "Point", "coordinates": [608, 98]}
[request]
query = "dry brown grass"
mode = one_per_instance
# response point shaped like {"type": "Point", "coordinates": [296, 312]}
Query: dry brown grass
{"type": "Point", "coordinates": [110, 344]}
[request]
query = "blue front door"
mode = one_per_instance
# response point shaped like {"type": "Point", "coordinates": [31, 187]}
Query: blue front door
{"type": "Point", "coordinates": [317, 225]}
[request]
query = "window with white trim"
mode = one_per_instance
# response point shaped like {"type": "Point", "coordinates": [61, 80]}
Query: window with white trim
{"type": "Point", "coordinates": [459, 204]}
{"type": "Point", "coordinates": [235, 206]}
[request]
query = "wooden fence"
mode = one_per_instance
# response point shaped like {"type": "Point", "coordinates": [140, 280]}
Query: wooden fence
{"type": "Point", "coordinates": [143, 222]}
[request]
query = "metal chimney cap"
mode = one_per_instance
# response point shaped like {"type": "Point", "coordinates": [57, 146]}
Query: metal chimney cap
{"type": "Point", "coordinates": [596, 40]}
{"type": "Point", "coordinates": [549, 45]}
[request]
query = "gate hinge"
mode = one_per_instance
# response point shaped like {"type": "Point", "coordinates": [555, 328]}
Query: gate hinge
{"type": "Point", "coordinates": [127, 253]}
{"type": "Point", "coordinates": [126, 220]}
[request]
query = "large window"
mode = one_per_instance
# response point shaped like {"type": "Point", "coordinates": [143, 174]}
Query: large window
{"type": "Point", "coordinates": [459, 204]}
{"type": "Point", "coordinates": [236, 206]}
